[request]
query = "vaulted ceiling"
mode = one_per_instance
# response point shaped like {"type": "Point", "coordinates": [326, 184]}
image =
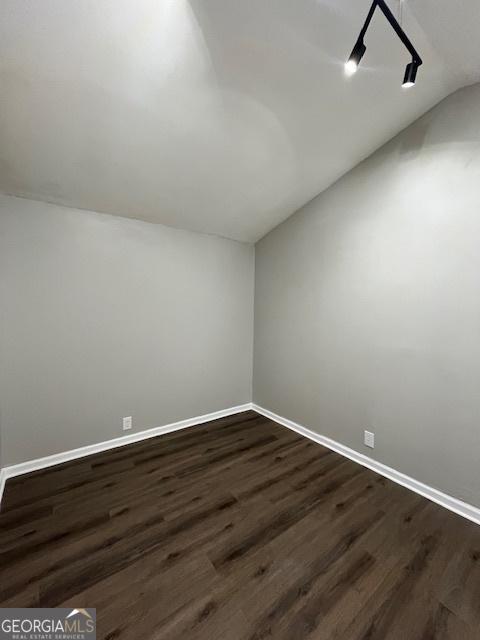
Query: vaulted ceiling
{"type": "Point", "coordinates": [217, 116]}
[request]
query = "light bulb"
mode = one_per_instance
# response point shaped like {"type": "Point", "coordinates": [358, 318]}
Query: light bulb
{"type": "Point", "coordinates": [350, 67]}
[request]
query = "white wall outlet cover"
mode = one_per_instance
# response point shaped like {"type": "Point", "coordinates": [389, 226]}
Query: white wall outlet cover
{"type": "Point", "coordinates": [127, 423]}
{"type": "Point", "coordinates": [369, 439]}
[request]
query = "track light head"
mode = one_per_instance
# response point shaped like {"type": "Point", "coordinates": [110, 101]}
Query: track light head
{"type": "Point", "coordinates": [353, 61]}
{"type": "Point", "coordinates": [410, 74]}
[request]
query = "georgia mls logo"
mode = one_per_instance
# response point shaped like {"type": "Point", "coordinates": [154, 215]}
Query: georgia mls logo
{"type": "Point", "coordinates": [48, 624]}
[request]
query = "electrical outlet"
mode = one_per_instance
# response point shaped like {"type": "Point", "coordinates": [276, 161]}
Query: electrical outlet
{"type": "Point", "coordinates": [127, 423]}
{"type": "Point", "coordinates": [369, 439]}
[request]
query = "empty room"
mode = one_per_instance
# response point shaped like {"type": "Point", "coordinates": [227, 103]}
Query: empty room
{"type": "Point", "coordinates": [239, 320]}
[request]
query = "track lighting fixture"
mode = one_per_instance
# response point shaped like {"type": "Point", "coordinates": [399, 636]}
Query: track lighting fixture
{"type": "Point", "coordinates": [357, 53]}
{"type": "Point", "coordinates": [359, 49]}
{"type": "Point", "coordinates": [410, 74]}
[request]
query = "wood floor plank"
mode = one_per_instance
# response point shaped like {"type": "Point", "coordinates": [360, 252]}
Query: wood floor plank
{"type": "Point", "coordinates": [238, 529]}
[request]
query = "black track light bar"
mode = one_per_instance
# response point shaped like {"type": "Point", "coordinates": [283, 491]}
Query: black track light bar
{"type": "Point", "coordinates": [359, 48]}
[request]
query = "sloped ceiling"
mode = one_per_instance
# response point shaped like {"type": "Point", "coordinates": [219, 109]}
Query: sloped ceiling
{"type": "Point", "coordinates": [217, 116]}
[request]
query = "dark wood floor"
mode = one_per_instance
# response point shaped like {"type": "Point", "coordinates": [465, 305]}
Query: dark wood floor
{"type": "Point", "coordinates": [238, 530]}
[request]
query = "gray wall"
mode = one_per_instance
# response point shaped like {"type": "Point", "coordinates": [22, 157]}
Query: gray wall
{"type": "Point", "coordinates": [367, 304]}
{"type": "Point", "coordinates": [103, 317]}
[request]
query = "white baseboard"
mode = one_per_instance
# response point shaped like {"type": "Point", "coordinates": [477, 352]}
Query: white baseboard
{"type": "Point", "coordinates": [452, 504]}
{"type": "Point", "coordinates": [2, 483]}
{"type": "Point", "coordinates": [65, 456]}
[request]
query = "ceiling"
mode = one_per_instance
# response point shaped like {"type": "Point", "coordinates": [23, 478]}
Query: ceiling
{"type": "Point", "coordinates": [217, 116]}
